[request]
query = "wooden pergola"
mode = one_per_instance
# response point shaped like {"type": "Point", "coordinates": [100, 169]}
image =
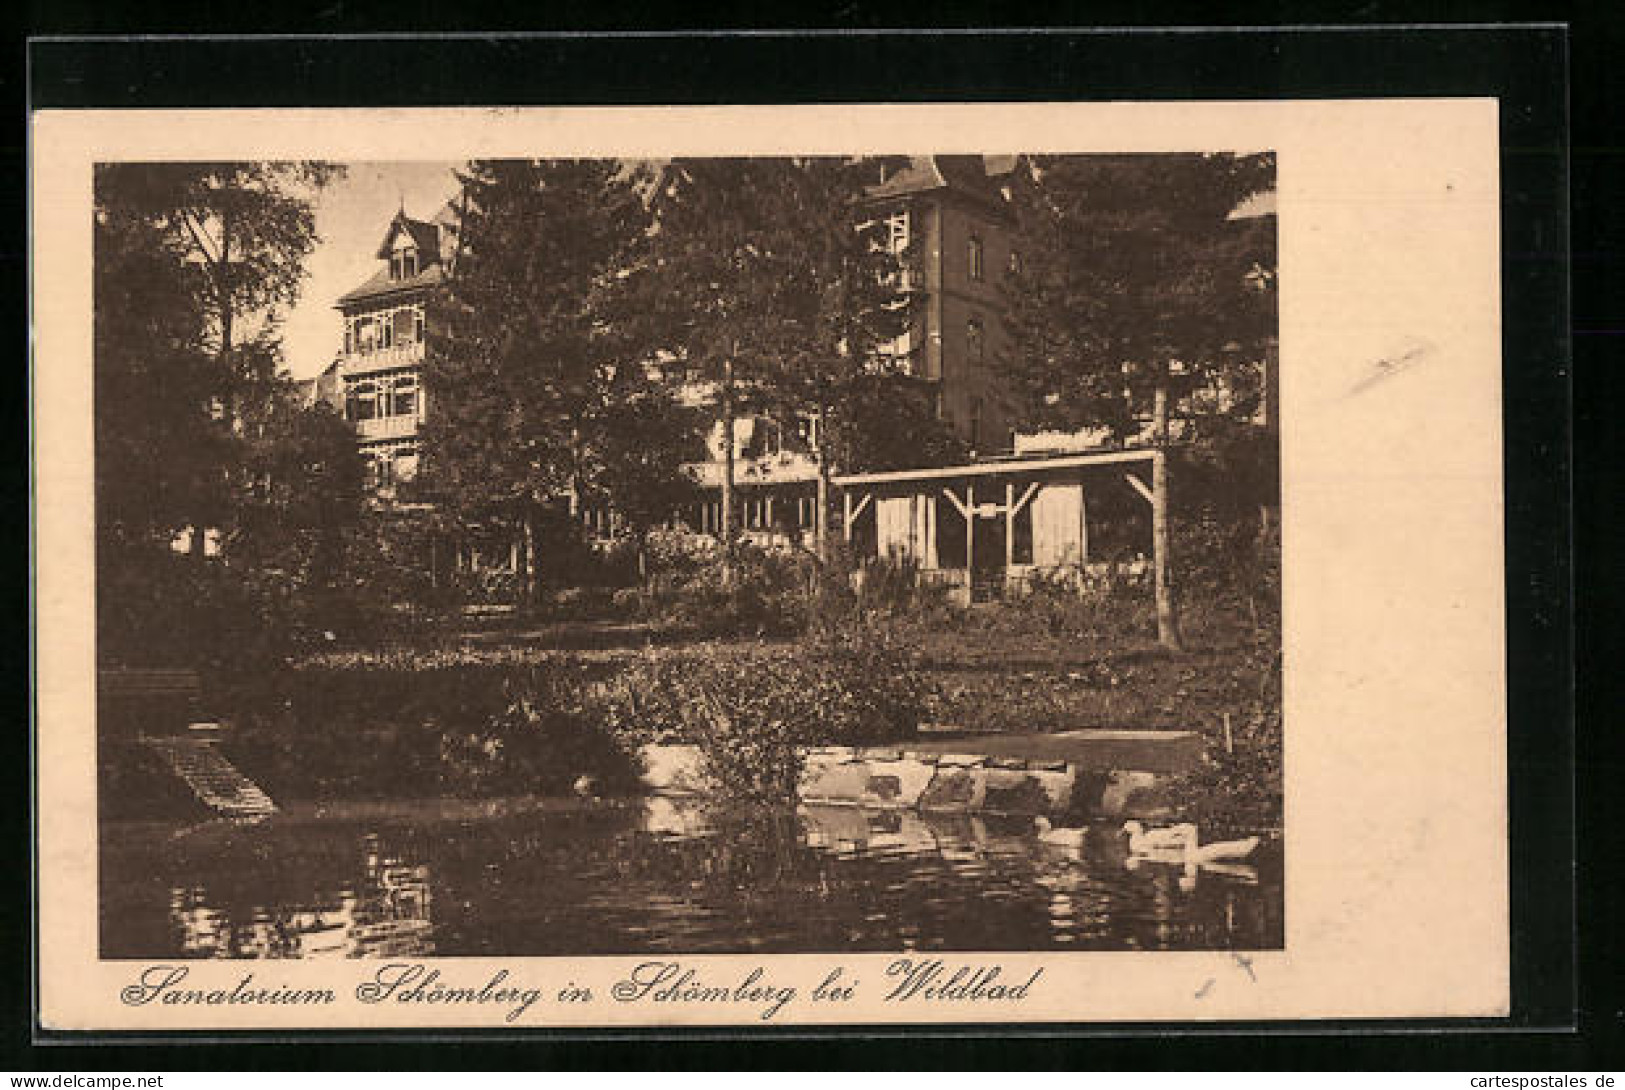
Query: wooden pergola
{"type": "Point", "coordinates": [1053, 491]}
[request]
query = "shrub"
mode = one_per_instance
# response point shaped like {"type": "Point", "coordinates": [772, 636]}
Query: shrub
{"type": "Point", "coordinates": [766, 593]}
{"type": "Point", "coordinates": [749, 713]}
{"type": "Point", "coordinates": [372, 727]}
{"type": "Point", "coordinates": [158, 608]}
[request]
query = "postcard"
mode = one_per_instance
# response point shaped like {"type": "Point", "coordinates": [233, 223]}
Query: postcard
{"type": "Point", "coordinates": [769, 566]}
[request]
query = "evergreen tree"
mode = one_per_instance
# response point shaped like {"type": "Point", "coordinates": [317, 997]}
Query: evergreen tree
{"type": "Point", "coordinates": [640, 464]}
{"type": "Point", "coordinates": [846, 302]}
{"type": "Point", "coordinates": [529, 350]}
{"type": "Point", "coordinates": [720, 284]}
{"type": "Point", "coordinates": [193, 264]}
{"type": "Point", "coordinates": [1137, 286]}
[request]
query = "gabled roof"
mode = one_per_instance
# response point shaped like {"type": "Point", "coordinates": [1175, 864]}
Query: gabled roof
{"type": "Point", "coordinates": [425, 236]}
{"type": "Point", "coordinates": [970, 175]}
{"type": "Point", "coordinates": [380, 284]}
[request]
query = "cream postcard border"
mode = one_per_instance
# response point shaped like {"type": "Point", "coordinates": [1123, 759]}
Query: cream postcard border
{"type": "Point", "coordinates": [1396, 835]}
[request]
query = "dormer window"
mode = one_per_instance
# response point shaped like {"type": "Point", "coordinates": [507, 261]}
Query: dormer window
{"type": "Point", "coordinates": [403, 264]}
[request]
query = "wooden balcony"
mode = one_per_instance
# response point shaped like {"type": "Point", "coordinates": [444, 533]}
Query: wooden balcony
{"type": "Point", "coordinates": [384, 359]}
{"type": "Point", "coordinates": [387, 427]}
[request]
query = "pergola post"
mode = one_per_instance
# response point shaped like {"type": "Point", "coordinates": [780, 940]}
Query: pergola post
{"type": "Point", "coordinates": [1083, 524]}
{"type": "Point", "coordinates": [1009, 527]}
{"type": "Point", "coordinates": [970, 531]}
{"type": "Point", "coordinates": [846, 515]}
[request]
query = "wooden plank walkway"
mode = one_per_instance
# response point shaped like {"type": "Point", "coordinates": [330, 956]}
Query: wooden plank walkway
{"type": "Point", "coordinates": [214, 780]}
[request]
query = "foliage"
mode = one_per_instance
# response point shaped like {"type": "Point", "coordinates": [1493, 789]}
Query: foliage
{"type": "Point", "coordinates": [422, 727]}
{"type": "Point", "coordinates": [1071, 603]}
{"type": "Point", "coordinates": [760, 593]}
{"type": "Point", "coordinates": [641, 461]}
{"type": "Point", "coordinates": [533, 356]}
{"type": "Point", "coordinates": [1228, 546]}
{"type": "Point", "coordinates": [1133, 275]}
{"type": "Point", "coordinates": [157, 608]}
{"type": "Point", "coordinates": [751, 713]}
{"type": "Point", "coordinates": [889, 421]}
{"type": "Point", "coordinates": [195, 424]}
{"type": "Point", "coordinates": [770, 288]}
{"type": "Point", "coordinates": [187, 256]}
{"type": "Point", "coordinates": [847, 306]}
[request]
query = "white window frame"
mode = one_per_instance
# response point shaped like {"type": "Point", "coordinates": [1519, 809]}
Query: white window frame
{"type": "Point", "coordinates": [898, 231]}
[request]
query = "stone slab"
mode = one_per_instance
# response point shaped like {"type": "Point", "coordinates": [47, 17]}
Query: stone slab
{"type": "Point", "coordinates": [846, 781]}
{"type": "Point", "coordinates": [1095, 750]}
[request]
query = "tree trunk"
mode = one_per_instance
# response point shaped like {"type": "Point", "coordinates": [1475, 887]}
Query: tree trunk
{"type": "Point", "coordinates": [727, 527]}
{"type": "Point", "coordinates": [532, 591]}
{"type": "Point", "coordinates": [821, 504]}
{"type": "Point", "coordinates": [575, 472]}
{"type": "Point", "coordinates": [1168, 634]}
{"type": "Point", "coordinates": [223, 298]}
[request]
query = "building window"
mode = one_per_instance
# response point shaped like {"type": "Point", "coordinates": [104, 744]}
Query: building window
{"type": "Point", "coordinates": [404, 326]}
{"type": "Point", "coordinates": [417, 324]}
{"type": "Point", "coordinates": [361, 402]}
{"type": "Point", "coordinates": [974, 258]}
{"type": "Point", "coordinates": [404, 397]}
{"type": "Point", "coordinates": [975, 341]}
{"type": "Point", "coordinates": [1015, 262]}
{"type": "Point", "coordinates": [897, 232]}
{"type": "Point", "coordinates": [976, 423]}
{"type": "Point", "coordinates": [403, 264]}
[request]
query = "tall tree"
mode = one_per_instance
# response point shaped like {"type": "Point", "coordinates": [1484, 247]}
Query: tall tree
{"type": "Point", "coordinates": [718, 265]}
{"type": "Point", "coordinates": [1136, 286]}
{"type": "Point", "coordinates": [640, 460]}
{"type": "Point", "coordinates": [193, 263]}
{"type": "Point", "coordinates": [241, 232]}
{"type": "Point", "coordinates": [847, 301]}
{"type": "Point", "coordinates": [526, 353]}
{"type": "Point", "coordinates": [778, 290]}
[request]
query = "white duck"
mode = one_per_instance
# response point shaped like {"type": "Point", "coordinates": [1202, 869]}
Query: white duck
{"type": "Point", "coordinates": [1049, 834]}
{"type": "Point", "coordinates": [1181, 844]}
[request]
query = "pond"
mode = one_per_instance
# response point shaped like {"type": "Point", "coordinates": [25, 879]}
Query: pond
{"type": "Point", "coordinates": [536, 878]}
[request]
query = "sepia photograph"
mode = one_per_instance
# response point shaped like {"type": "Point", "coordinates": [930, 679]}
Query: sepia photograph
{"type": "Point", "coordinates": [536, 557]}
{"type": "Point", "coordinates": [725, 566]}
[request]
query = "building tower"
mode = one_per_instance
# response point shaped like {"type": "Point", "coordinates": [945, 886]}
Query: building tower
{"type": "Point", "coordinates": [955, 211]}
{"type": "Point", "coordinates": [381, 365]}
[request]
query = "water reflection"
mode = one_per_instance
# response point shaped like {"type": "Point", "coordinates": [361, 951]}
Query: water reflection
{"type": "Point", "coordinates": [657, 875]}
{"type": "Point", "coordinates": [383, 913]}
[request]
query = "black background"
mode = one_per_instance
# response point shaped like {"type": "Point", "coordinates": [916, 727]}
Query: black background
{"type": "Point", "coordinates": [1567, 1013]}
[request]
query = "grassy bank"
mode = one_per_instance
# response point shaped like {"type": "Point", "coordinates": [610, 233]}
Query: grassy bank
{"type": "Point", "coordinates": [522, 711]}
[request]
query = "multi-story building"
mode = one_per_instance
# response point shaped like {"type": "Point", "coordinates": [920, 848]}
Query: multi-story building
{"type": "Point", "coordinates": [952, 216]}
{"type": "Point", "coordinates": [380, 367]}
{"type": "Point", "coordinates": [951, 213]}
